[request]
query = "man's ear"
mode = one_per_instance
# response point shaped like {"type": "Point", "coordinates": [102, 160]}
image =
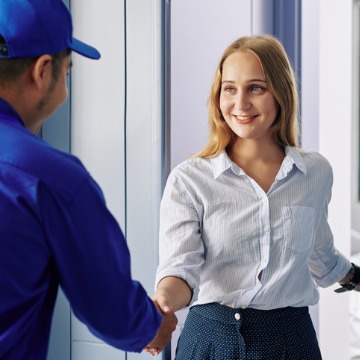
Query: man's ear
{"type": "Point", "coordinates": [41, 73]}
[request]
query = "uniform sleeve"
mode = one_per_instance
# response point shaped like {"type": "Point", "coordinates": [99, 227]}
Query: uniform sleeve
{"type": "Point", "coordinates": [93, 264]}
{"type": "Point", "coordinates": [327, 264]}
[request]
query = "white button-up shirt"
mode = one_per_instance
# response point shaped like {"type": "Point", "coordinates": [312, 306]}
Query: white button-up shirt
{"type": "Point", "coordinates": [219, 230]}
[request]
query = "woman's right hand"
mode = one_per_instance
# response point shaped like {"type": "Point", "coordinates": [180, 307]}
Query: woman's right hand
{"type": "Point", "coordinates": [162, 302]}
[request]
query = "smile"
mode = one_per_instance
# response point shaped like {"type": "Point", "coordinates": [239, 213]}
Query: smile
{"type": "Point", "coordinates": [244, 119]}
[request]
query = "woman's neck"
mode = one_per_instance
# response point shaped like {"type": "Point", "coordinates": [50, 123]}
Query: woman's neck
{"type": "Point", "coordinates": [245, 151]}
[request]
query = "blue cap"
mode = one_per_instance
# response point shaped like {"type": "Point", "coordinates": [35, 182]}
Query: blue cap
{"type": "Point", "coordinates": [32, 28]}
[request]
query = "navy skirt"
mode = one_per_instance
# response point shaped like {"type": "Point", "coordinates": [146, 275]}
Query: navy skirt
{"type": "Point", "coordinates": [214, 331]}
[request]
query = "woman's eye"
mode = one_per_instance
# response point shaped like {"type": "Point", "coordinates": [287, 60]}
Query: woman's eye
{"type": "Point", "coordinates": [229, 89]}
{"type": "Point", "coordinates": [257, 88]}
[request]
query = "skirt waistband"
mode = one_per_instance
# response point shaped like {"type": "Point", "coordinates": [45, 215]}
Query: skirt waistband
{"type": "Point", "coordinates": [230, 315]}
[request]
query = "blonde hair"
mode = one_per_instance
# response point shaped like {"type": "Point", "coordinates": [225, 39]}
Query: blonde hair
{"type": "Point", "coordinates": [281, 81]}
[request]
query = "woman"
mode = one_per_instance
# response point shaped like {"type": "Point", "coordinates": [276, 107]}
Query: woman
{"type": "Point", "coordinates": [244, 237]}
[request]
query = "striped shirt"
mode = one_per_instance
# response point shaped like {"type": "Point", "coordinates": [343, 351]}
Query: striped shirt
{"type": "Point", "coordinates": [219, 230]}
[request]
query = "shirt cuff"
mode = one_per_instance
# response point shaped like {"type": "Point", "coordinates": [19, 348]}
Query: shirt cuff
{"type": "Point", "coordinates": [342, 267]}
{"type": "Point", "coordinates": [182, 275]}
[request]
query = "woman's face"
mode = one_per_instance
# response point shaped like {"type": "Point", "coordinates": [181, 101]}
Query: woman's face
{"type": "Point", "coordinates": [247, 105]}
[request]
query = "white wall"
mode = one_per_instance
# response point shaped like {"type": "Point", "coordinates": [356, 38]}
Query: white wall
{"type": "Point", "coordinates": [355, 211]}
{"type": "Point", "coordinates": [97, 134]}
{"type": "Point", "coordinates": [335, 124]}
{"type": "Point", "coordinates": [126, 161]}
{"type": "Point", "coordinates": [310, 91]}
{"type": "Point", "coordinates": [310, 75]}
{"type": "Point", "coordinates": [327, 128]}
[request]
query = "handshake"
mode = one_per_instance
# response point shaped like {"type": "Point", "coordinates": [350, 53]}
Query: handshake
{"type": "Point", "coordinates": [167, 327]}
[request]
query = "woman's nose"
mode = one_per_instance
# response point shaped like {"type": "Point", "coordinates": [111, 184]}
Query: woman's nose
{"type": "Point", "coordinates": [242, 101]}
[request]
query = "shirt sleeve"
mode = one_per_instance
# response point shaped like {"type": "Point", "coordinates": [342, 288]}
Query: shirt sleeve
{"type": "Point", "coordinates": [180, 242]}
{"type": "Point", "coordinates": [92, 260]}
{"type": "Point", "coordinates": [327, 264]}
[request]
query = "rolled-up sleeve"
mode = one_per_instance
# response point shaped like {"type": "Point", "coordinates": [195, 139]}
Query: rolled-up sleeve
{"type": "Point", "coordinates": [327, 264]}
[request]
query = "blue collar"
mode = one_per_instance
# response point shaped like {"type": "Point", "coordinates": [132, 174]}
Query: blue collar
{"type": "Point", "coordinates": [7, 112]}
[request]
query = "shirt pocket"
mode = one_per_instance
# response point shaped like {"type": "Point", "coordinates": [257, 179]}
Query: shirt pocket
{"type": "Point", "coordinates": [298, 227]}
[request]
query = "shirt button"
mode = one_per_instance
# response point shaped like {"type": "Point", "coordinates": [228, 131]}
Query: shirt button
{"type": "Point", "coordinates": [237, 316]}
{"type": "Point", "coordinates": [266, 228]}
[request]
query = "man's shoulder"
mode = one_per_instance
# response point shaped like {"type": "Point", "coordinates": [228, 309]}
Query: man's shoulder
{"type": "Point", "coordinates": [27, 153]}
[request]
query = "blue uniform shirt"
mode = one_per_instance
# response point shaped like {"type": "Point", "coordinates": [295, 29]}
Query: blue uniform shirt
{"type": "Point", "coordinates": [55, 230]}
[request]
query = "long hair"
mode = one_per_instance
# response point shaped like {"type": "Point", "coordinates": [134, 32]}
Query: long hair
{"type": "Point", "coordinates": [281, 82]}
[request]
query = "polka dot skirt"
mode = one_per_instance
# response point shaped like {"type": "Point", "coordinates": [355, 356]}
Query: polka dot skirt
{"type": "Point", "coordinates": [213, 331]}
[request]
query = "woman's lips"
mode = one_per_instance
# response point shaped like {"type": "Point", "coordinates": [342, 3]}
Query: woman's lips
{"type": "Point", "coordinates": [244, 119]}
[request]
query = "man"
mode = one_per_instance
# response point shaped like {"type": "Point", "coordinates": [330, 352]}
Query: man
{"type": "Point", "coordinates": [55, 228]}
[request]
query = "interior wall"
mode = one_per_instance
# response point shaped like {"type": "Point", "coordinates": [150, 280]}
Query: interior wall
{"type": "Point", "coordinates": [310, 75]}
{"type": "Point", "coordinates": [355, 211]}
{"type": "Point", "coordinates": [335, 125]}
{"type": "Point", "coordinates": [117, 132]}
{"type": "Point", "coordinates": [310, 91]}
{"type": "Point", "coordinates": [327, 128]}
{"type": "Point", "coordinates": [97, 126]}
{"type": "Point", "coordinates": [98, 101]}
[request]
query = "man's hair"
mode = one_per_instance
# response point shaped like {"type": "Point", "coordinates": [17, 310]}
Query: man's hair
{"type": "Point", "coordinates": [12, 69]}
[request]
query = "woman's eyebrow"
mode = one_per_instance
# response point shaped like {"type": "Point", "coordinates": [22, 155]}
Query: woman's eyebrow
{"type": "Point", "coordinates": [251, 80]}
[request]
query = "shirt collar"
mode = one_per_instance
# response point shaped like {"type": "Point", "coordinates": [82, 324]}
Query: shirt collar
{"type": "Point", "coordinates": [7, 112]}
{"type": "Point", "coordinates": [222, 162]}
{"type": "Point", "coordinates": [293, 157]}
